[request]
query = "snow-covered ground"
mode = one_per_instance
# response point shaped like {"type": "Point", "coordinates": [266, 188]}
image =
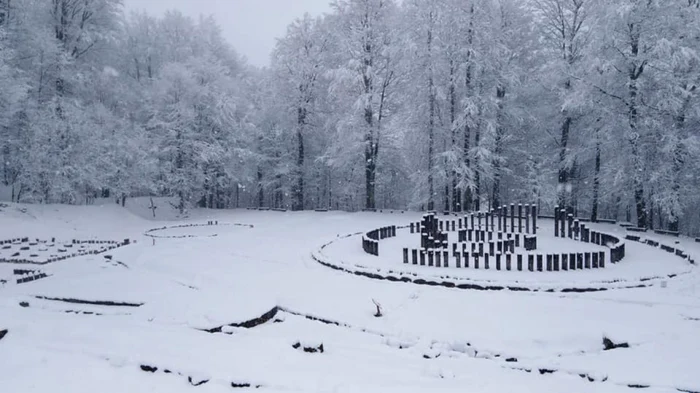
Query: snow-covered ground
{"type": "Point", "coordinates": [103, 325]}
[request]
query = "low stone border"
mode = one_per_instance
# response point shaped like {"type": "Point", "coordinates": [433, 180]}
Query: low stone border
{"type": "Point", "coordinates": [653, 243]}
{"type": "Point", "coordinates": [149, 232]}
{"type": "Point", "coordinates": [266, 317]}
{"type": "Point", "coordinates": [484, 285]}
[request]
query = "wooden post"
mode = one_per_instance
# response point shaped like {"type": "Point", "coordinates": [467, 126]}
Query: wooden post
{"type": "Point", "coordinates": [498, 218]}
{"type": "Point", "coordinates": [520, 218]}
{"type": "Point", "coordinates": [533, 209]}
{"type": "Point", "coordinates": [527, 218]}
{"type": "Point", "coordinates": [562, 223]}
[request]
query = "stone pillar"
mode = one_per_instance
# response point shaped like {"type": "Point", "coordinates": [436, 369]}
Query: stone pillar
{"type": "Point", "coordinates": [539, 262]}
{"type": "Point", "coordinates": [445, 259]}
{"type": "Point", "coordinates": [555, 262]}
{"type": "Point", "coordinates": [486, 261]}
{"type": "Point", "coordinates": [458, 260]}
{"type": "Point", "coordinates": [465, 257]}
{"type": "Point", "coordinates": [579, 262]}
{"type": "Point", "coordinates": [414, 254]}
{"type": "Point", "coordinates": [565, 262]}
{"type": "Point", "coordinates": [509, 261]}
{"type": "Point", "coordinates": [438, 259]}
{"type": "Point", "coordinates": [405, 255]}
{"type": "Point", "coordinates": [431, 258]}
{"type": "Point", "coordinates": [476, 261]}
{"type": "Point", "coordinates": [531, 263]}
{"type": "Point", "coordinates": [498, 262]}
{"type": "Point", "coordinates": [556, 221]}
{"type": "Point", "coordinates": [550, 258]}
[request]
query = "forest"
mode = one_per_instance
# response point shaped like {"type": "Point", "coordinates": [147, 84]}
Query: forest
{"type": "Point", "coordinates": [453, 105]}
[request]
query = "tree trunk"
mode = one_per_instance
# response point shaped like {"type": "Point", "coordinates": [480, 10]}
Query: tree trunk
{"type": "Point", "coordinates": [261, 190]}
{"type": "Point", "coordinates": [500, 133]}
{"type": "Point", "coordinates": [431, 120]}
{"type": "Point", "coordinates": [596, 179]}
{"type": "Point", "coordinates": [456, 192]}
{"type": "Point", "coordinates": [468, 198]}
{"type": "Point", "coordinates": [563, 182]}
{"type": "Point", "coordinates": [298, 191]}
{"type": "Point", "coordinates": [635, 71]}
{"type": "Point", "coordinates": [371, 143]}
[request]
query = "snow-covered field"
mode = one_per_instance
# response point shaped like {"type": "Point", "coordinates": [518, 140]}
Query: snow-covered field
{"type": "Point", "coordinates": [155, 317]}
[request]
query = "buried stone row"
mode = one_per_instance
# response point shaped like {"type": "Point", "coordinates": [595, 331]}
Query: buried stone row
{"type": "Point", "coordinates": [508, 262]}
{"type": "Point", "coordinates": [111, 245]}
{"type": "Point", "coordinates": [370, 241]}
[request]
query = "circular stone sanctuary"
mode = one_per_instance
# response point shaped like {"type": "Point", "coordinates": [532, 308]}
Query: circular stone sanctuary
{"type": "Point", "coordinates": [502, 249]}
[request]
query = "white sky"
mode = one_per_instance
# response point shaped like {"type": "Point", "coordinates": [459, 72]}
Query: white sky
{"type": "Point", "coordinates": [251, 26]}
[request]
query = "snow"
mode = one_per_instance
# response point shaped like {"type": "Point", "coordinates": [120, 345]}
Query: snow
{"type": "Point", "coordinates": [430, 338]}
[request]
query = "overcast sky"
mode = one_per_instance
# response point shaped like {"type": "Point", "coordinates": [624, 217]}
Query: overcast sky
{"type": "Point", "coordinates": [251, 26]}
